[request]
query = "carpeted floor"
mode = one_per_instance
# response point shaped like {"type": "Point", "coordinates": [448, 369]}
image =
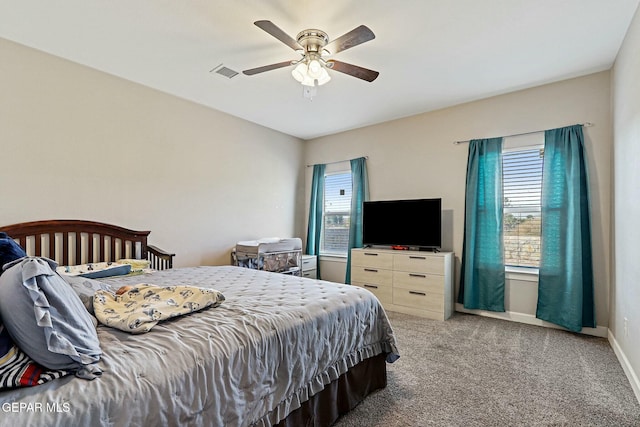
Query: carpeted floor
{"type": "Point", "coordinates": [478, 371]}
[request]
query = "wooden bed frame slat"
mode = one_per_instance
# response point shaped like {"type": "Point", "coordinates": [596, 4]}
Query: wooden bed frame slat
{"type": "Point", "coordinates": [38, 242]}
{"type": "Point", "coordinates": [90, 257]}
{"type": "Point", "coordinates": [112, 249]}
{"type": "Point", "coordinates": [79, 249]}
{"type": "Point", "coordinates": [52, 245]}
{"type": "Point", "coordinates": [97, 234]}
{"type": "Point", "coordinates": [65, 249]}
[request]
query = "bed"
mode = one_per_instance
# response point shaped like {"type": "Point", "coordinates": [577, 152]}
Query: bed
{"type": "Point", "coordinates": [280, 350]}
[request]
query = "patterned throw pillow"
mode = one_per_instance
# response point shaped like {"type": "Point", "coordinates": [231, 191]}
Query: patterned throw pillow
{"type": "Point", "coordinates": [95, 270]}
{"type": "Point", "coordinates": [137, 265]}
{"type": "Point", "coordinates": [17, 369]}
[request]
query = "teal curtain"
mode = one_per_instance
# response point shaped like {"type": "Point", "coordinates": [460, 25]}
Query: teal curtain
{"type": "Point", "coordinates": [482, 276]}
{"type": "Point", "coordinates": [314, 227]}
{"type": "Point", "coordinates": [359, 195]}
{"type": "Point", "coordinates": [565, 289]}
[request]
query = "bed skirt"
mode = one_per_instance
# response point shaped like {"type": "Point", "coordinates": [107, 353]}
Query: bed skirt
{"type": "Point", "coordinates": [340, 396]}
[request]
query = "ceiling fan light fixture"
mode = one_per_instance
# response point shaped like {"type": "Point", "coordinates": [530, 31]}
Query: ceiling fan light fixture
{"type": "Point", "coordinates": [324, 77]}
{"type": "Point", "coordinates": [300, 72]}
{"type": "Point", "coordinates": [311, 72]}
{"type": "Point", "coordinates": [315, 68]}
{"type": "Point", "coordinates": [308, 81]}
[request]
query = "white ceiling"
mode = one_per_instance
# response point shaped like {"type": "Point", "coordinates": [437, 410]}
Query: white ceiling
{"type": "Point", "coordinates": [430, 53]}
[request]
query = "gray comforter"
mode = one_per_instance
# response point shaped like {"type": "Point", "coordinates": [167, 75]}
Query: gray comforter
{"type": "Point", "coordinates": [274, 342]}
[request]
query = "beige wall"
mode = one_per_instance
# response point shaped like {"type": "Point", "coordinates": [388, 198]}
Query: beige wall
{"type": "Point", "coordinates": [625, 291]}
{"type": "Point", "coordinates": [415, 157]}
{"type": "Point", "coordinates": [78, 143]}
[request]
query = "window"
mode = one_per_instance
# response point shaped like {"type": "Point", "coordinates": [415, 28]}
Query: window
{"type": "Point", "coordinates": [337, 211]}
{"type": "Point", "coordinates": [522, 183]}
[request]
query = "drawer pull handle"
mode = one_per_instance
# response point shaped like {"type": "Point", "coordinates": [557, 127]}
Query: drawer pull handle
{"type": "Point", "coordinates": [370, 254]}
{"type": "Point", "coordinates": [422, 276]}
{"type": "Point", "coordinates": [418, 293]}
{"type": "Point", "coordinates": [371, 270]}
{"type": "Point", "coordinates": [416, 257]}
{"type": "Point", "coordinates": [371, 286]}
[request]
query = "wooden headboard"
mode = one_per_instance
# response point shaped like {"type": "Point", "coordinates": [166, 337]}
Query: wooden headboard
{"type": "Point", "coordinates": [72, 242]}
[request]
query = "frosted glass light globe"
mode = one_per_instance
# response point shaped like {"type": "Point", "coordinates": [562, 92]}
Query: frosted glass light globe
{"type": "Point", "coordinates": [300, 72]}
{"type": "Point", "coordinates": [315, 68]}
{"type": "Point", "coordinates": [324, 77]}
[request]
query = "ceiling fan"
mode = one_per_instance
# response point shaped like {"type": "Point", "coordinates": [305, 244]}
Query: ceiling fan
{"type": "Point", "coordinates": [315, 47]}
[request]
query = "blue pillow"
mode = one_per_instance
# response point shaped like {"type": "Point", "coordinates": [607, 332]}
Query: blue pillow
{"type": "Point", "coordinates": [46, 319]}
{"type": "Point", "coordinates": [9, 250]}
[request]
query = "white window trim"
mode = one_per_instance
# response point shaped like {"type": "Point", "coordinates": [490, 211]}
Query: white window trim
{"type": "Point", "coordinates": [334, 257]}
{"type": "Point", "coordinates": [524, 274]}
{"type": "Point", "coordinates": [334, 169]}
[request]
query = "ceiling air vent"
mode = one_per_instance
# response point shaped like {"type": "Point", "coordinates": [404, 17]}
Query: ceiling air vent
{"type": "Point", "coordinates": [224, 71]}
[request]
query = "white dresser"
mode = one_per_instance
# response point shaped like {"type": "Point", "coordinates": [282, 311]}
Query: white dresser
{"type": "Point", "coordinates": [411, 282]}
{"type": "Point", "coordinates": [309, 266]}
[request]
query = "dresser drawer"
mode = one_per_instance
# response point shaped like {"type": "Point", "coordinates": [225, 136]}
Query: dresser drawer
{"type": "Point", "coordinates": [310, 274]}
{"type": "Point", "coordinates": [309, 262]}
{"type": "Point", "coordinates": [418, 299]}
{"type": "Point", "coordinates": [372, 259]}
{"type": "Point", "coordinates": [419, 282]}
{"type": "Point", "coordinates": [419, 263]}
{"type": "Point", "coordinates": [372, 275]}
{"type": "Point", "coordinates": [382, 292]}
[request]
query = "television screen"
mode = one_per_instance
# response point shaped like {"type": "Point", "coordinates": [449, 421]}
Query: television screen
{"type": "Point", "coordinates": [415, 222]}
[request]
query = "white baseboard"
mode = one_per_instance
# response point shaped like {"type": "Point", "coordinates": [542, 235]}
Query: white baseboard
{"type": "Point", "coordinates": [626, 366]}
{"type": "Point", "coordinates": [598, 331]}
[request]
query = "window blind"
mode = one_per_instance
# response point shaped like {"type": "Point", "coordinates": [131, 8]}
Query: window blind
{"type": "Point", "coordinates": [522, 186]}
{"type": "Point", "coordinates": [337, 210]}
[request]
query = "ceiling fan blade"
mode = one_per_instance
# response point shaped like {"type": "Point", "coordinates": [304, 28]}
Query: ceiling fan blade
{"type": "Point", "coordinates": [258, 70]}
{"type": "Point", "coordinates": [276, 32]}
{"type": "Point", "coordinates": [353, 38]}
{"type": "Point", "coordinates": [353, 70]}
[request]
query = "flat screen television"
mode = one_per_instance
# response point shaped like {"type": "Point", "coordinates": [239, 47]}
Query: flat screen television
{"type": "Point", "coordinates": [413, 223]}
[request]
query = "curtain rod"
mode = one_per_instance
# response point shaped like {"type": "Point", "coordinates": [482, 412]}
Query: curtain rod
{"type": "Point", "coordinates": [341, 161]}
{"type": "Point", "coordinates": [585, 124]}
